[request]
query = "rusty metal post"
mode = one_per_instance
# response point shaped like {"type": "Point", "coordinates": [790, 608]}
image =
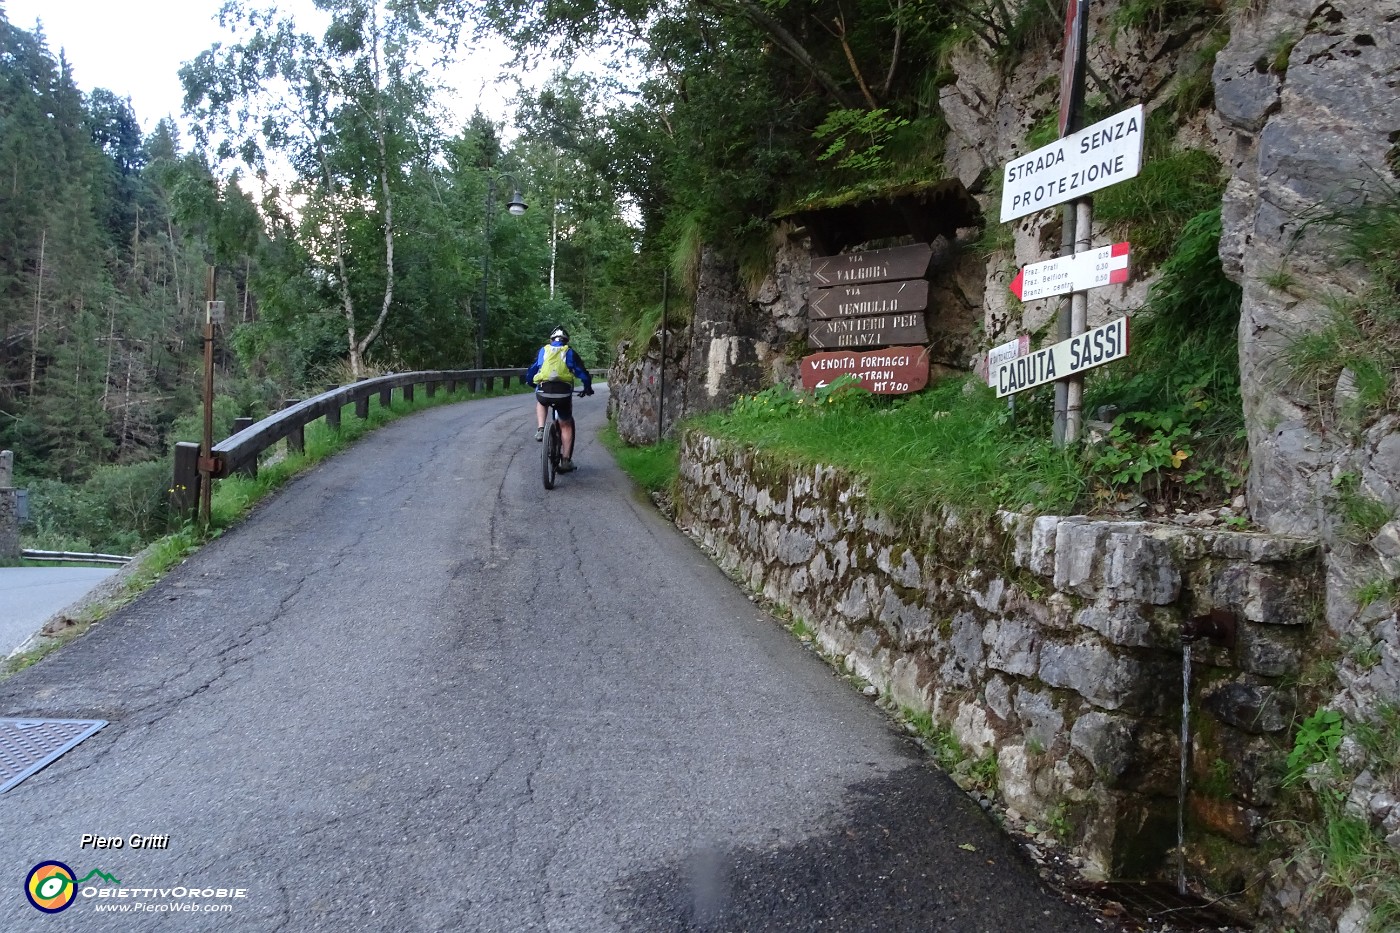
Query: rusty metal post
{"type": "Point", "coordinates": [207, 445]}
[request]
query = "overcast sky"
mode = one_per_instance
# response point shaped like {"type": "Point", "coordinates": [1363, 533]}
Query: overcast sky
{"type": "Point", "coordinates": [135, 49]}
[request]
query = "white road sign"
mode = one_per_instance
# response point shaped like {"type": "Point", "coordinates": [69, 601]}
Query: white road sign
{"type": "Point", "coordinates": [1102, 344]}
{"type": "Point", "coordinates": [1107, 265]}
{"type": "Point", "coordinates": [1006, 351]}
{"type": "Point", "coordinates": [1097, 156]}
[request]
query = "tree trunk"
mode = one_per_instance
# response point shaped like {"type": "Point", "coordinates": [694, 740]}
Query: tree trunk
{"type": "Point", "coordinates": [111, 342]}
{"type": "Point", "coordinates": [380, 144]}
{"type": "Point", "coordinates": [38, 314]}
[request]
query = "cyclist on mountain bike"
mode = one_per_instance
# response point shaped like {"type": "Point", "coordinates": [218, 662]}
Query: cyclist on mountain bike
{"type": "Point", "coordinates": [552, 374]}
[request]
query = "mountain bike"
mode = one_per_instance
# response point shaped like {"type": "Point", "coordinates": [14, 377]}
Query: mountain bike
{"type": "Point", "coordinates": [553, 449]}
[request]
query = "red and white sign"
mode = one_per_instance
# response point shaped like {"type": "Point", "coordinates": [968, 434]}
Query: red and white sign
{"type": "Point", "coordinates": [1107, 265]}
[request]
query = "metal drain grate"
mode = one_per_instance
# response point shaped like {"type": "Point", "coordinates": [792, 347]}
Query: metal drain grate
{"type": "Point", "coordinates": [1158, 901]}
{"type": "Point", "coordinates": [27, 745]}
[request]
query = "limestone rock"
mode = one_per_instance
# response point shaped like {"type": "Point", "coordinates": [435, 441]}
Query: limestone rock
{"type": "Point", "coordinates": [1095, 672]}
{"type": "Point", "coordinates": [1106, 742]}
{"type": "Point", "coordinates": [1251, 708]}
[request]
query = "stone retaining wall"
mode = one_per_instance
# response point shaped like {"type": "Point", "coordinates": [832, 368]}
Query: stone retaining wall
{"type": "Point", "coordinates": [1051, 643]}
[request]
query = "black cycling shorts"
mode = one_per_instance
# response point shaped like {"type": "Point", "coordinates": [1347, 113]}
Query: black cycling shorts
{"type": "Point", "coordinates": [557, 395]}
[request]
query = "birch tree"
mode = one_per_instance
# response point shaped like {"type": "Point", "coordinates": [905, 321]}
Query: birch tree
{"type": "Point", "coordinates": [340, 113]}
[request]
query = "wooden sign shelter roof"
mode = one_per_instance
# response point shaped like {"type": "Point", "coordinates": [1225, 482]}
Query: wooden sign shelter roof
{"type": "Point", "coordinates": [923, 212]}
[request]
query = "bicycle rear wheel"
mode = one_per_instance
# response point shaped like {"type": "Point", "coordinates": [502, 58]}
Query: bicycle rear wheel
{"type": "Point", "coordinates": [549, 453]}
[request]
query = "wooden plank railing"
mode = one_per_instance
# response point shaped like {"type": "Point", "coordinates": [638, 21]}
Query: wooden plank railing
{"type": "Point", "coordinates": [239, 452]}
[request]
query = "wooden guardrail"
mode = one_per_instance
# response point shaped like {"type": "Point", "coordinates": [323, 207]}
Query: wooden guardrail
{"type": "Point", "coordinates": [239, 452]}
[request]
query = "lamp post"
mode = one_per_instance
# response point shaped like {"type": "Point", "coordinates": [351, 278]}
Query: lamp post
{"type": "Point", "coordinates": [517, 206]}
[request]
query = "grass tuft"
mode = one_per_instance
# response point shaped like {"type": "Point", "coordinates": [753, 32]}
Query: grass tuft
{"type": "Point", "coordinates": [653, 466]}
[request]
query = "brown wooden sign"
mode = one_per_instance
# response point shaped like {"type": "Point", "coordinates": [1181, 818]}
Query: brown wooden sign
{"type": "Point", "coordinates": [880, 298]}
{"type": "Point", "coordinates": [891, 371]}
{"type": "Point", "coordinates": [876, 265]}
{"type": "Point", "coordinates": [875, 330]}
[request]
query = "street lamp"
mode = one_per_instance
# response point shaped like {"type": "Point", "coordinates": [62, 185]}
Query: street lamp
{"type": "Point", "coordinates": [517, 206]}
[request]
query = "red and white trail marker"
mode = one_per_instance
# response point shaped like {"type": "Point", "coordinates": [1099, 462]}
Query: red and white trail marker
{"type": "Point", "coordinates": [1107, 265]}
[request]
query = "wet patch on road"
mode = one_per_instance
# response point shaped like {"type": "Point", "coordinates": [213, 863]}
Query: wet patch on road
{"type": "Point", "coordinates": [911, 852]}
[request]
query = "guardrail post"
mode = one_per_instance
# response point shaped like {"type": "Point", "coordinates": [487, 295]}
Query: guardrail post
{"type": "Point", "coordinates": [477, 383]}
{"type": "Point", "coordinates": [362, 407]}
{"type": "Point", "coordinates": [184, 489]}
{"type": "Point", "coordinates": [385, 395]}
{"type": "Point", "coordinates": [333, 418]}
{"type": "Point", "coordinates": [408, 392]}
{"type": "Point", "coordinates": [296, 438]}
{"type": "Point", "coordinates": [432, 389]}
{"type": "Point", "coordinates": [251, 470]}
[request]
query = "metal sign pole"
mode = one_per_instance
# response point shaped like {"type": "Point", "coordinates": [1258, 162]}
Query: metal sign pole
{"type": "Point", "coordinates": [1079, 320]}
{"type": "Point", "coordinates": [1062, 325]}
{"type": "Point", "coordinates": [1075, 235]}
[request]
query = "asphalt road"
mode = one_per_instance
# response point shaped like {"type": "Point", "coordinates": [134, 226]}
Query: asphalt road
{"type": "Point", "coordinates": [414, 691]}
{"type": "Point", "coordinates": [30, 595]}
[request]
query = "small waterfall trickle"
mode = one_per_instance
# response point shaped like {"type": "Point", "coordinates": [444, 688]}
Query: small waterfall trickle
{"type": "Point", "coordinates": [1185, 767]}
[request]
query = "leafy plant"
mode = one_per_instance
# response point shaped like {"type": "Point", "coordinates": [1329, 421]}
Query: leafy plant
{"type": "Point", "coordinates": [984, 771]}
{"type": "Point", "coordinates": [1157, 441]}
{"type": "Point", "coordinates": [1058, 822]}
{"type": "Point", "coordinates": [858, 137]}
{"type": "Point", "coordinates": [1217, 781]}
{"type": "Point", "coordinates": [1316, 741]}
{"type": "Point", "coordinates": [1183, 421]}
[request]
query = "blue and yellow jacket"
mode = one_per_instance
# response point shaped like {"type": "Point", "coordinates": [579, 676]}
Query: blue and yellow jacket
{"type": "Point", "coordinates": [571, 360]}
